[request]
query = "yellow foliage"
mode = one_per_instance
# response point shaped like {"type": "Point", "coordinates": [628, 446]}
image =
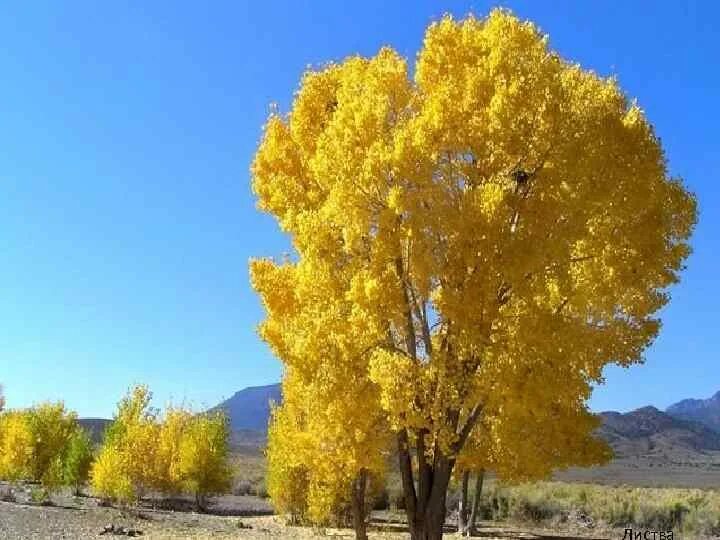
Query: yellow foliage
{"type": "Point", "coordinates": [15, 446]}
{"type": "Point", "coordinates": [52, 428]}
{"type": "Point", "coordinates": [34, 443]}
{"type": "Point", "coordinates": [172, 453]}
{"type": "Point", "coordinates": [203, 467]}
{"type": "Point", "coordinates": [126, 465]}
{"type": "Point", "coordinates": [287, 478]}
{"type": "Point", "coordinates": [167, 474]}
{"type": "Point", "coordinates": [504, 216]}
{"type": "Point", "coordinates": [109, 477]}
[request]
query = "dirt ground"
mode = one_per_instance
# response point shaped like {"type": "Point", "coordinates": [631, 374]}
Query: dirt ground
{"type": "Point", "coordinates": [236, 517]}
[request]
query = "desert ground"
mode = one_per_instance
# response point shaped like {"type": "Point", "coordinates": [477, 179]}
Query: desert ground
{"type": "Point", "coordinates": [237, 517]}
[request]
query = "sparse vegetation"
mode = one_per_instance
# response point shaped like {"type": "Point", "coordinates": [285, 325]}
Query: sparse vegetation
{"type": "Point", "coordinates": [691, 511]}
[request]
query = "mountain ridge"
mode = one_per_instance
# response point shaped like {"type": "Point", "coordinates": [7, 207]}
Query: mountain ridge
{"type": "Point", "coordinates": [249, 409]}
{"type": "Point", "coordinates": [684, 431]}
{"type": "Point", "coordinates": [705, 411]}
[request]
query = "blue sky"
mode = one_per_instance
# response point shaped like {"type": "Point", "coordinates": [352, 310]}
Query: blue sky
{"type": "Point", "coordinates": [126, 216]}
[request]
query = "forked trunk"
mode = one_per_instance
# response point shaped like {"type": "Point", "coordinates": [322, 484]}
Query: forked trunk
{"type": "Point", "coordinates": [424, 507]}
{"type": "Point", "coordinates": [359, 487]}
{"type": "Point", "coordinates": [463, 509]}
{"type": "Point", "coordinates": [476, 503]}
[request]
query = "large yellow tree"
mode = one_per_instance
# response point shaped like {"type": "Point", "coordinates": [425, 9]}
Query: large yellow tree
{"type": "Point", "coordinates": [502, 209]}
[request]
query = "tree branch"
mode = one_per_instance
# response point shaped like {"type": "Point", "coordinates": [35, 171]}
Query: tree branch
{"type": "Point", "coordinates": [467, 428]}
{"type": "Point", "coordinates": [410, 338]}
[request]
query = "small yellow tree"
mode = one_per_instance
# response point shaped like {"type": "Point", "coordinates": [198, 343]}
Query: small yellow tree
{"type": "Point", "coordinates": [173, 429]}
{"type": "Point", "coordinates": [34, 444]}
{"type": "Point", "coordinates": [288, 474]}
{"type": "Point", "coordinates": [78, 459]}
{"type": "Point", "coordinates": [317, 470]}
{"type": "Point", "coordinates": [15, 446]}
{"type": "Point", "coordinates": [335, 429]}
{"type": "Point", "coordinates": [52, 428]}
{"type": "Point", "coordinates": [126, 465]}
{"type": "Point", "coordinates": [203, 457]}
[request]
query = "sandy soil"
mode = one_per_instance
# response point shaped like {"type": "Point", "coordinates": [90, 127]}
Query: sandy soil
{"type": "Point", "coordinates": [240, 518]}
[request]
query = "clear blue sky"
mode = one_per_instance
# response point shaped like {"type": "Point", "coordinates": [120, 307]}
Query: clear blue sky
{"type": "Point", "coordinates": [126, 216]}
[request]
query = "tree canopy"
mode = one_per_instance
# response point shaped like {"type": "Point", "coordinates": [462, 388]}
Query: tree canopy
{"type": "Point", "coordinates": [502, 215]}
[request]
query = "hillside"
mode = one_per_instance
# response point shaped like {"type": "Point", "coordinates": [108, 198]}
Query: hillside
{"type": "Point", "coordinates": [705, 411]}
{"type": "Point", "coordinates": [95, 427]}
{"type": "Point", "coordinates": [249, 409]}
{"type": "Point", "coordinates": [655, 449]}
{"type": "Point", "coordinates": [651, 432]}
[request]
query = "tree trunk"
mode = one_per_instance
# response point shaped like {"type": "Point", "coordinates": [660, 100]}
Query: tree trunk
{"type": "Point", "coordinates": [359, 488]}
{"type": "Point", "coordinates": [200, 503]}
{"type": "Point", "coordinates": [463, 510]}
{"type": "Point", "coordinates": [476, 503]}
{"type": "Point", "coordinates": [424, 507]}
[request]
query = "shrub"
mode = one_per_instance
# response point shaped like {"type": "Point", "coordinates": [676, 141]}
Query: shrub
{"type": "Point", "coordinates": [242, 487]}
{"type": "Point", "coordinates": [203, 457]}
{"type": "Point", "coordinates": [40, 495]}
{"type": "Point", "coordinates": [16, 442]}
{"type": "Point", "coordinates": [51, 427]}
{"type": "Point", "coordinates": [78, 460]}
{"type": "Point", "coordinates": [690, 511]}
{"type": "Point", "coordinates": [34, 443]}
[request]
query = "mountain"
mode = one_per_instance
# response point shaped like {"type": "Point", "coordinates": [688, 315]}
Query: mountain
{"type": "Point", "coordinates": [651, 432]}
{"type": "Point", "coordinates": [643, 432]}
{"type": "Point", "coordinates": [249, 409]}
{"type": "Point", "coordinates": [95, 427]}
{"type": "Point", "coordinates": [705, 411]}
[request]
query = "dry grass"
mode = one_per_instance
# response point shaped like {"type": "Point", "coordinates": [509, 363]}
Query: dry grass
{"type": "Point", "coordinates": [249, 475]}
{"type": "Point", "coordinates": [694, 512]}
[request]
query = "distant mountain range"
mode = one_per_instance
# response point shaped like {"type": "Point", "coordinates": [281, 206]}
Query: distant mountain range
{"type": "Point", "coordinates": [650, 432]}
{"type": "Point", "coordinates": [705, 411]}
{"type": "Point", "coordinates": [687, 429]}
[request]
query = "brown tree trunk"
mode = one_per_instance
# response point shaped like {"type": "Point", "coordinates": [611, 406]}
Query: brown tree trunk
{"type": "Point", "coordinates": [463, 510]}
{"type": "Point", "coordinates": [476, 503]}
{"type": "Point", "coordinates": [359, 487]}
{"type": "Point", "coordinates": [200, 503]}
{"type": "Point", "coordinates": [424, 507]}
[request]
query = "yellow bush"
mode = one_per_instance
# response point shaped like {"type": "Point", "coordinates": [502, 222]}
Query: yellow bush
{"type": "Point", "coordinates": [15, 446]}
{"type": "Point", "coordinates": [34, 443]}
{"type": "Point", "coordinates": [170, 454]}
{"type": "Point", "coordinates": [203, 457]}
{"type": "Point", "coordinates": [109, 477]}
{"type": "Point", "coordinates": [125, 467]}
